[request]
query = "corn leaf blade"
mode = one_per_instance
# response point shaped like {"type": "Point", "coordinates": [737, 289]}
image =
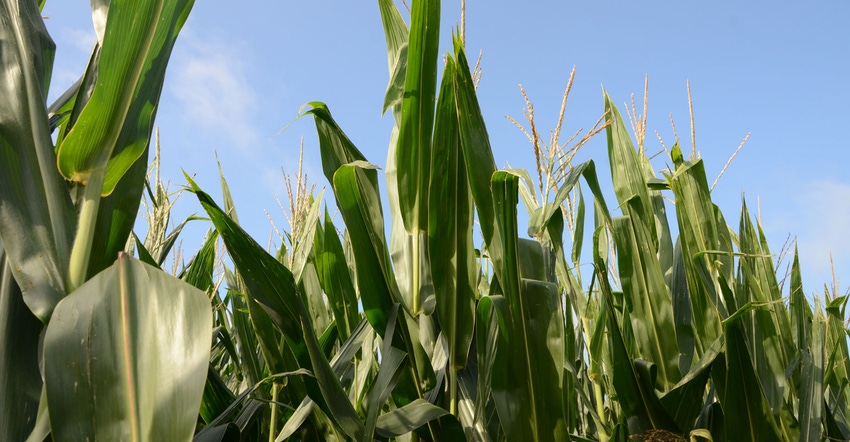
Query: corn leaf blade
{"type": "Point", "coordinates": [534, 375]}
{"type": "Point", "coordinates": [413, 150]}
{"type": "Point", "coordinates": [335, 278]}
{"type": "Point", "coordinates": [647, 297]}
{"type": "Point", "coordinates": [114, 127]}
{"type": "Point", "coordinates": [452, 258]}
{"type": "Point", "coordinates": [19, 360]}
{"type": "Point", "coordinates": [32, 193]}
{"type": "Point", "coordinates": [357, 198]}
{"type": "Point", "coordinates": [745, 409]}
{"type": "Point", "coordinates": [148, 324]}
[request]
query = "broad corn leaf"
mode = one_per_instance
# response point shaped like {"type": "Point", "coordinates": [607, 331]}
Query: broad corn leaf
{"type": "Point", "coordinates": [335, 146]}
{"type": "Point", "coordinates": [335, 278]}
{"type": "Point", "coordinates": [358, 200]}
{"type": "Point", "coordinates": [635, 392]}
{"type": "Point", "coordinates": [19, 359]}
{"type": "Point", "coordinates": [627, 171]}
{"type": "Point", "coordinates": [771, 347]}
{"type": "Point", "coordinates": [646, 294]}
{"type": "Point", "coordinates": [32, 193]}
{"type": "Point", "coordinates": [453, 265]}
{"type": "Point", "coordinates": [535, 352]}
{"type": "Point", "coordinates": [811, 387]}
{"type": "Point", "coordinates": [113, 129]}
{"type": "Point", "coordinates": [413, 150]}
{"type": "Point", "coordinates": [746, 411]}
{"type": "Point", "coordinates": [341, 410]}
{"type": "Point", "coordinates": [141, 328]}
{"type": "Point", "coordinates": [699, 232]}
{"type": "Point", "coordinates": [477, 155]}
{"type": "Point", "coordinates": [396, 34]}
{"type": "Point", "coordinates": [408, 418]}
{"type": "Point", "coordinates": [259, 270]}
{"type": "Point", "coordinates": [116, 217]}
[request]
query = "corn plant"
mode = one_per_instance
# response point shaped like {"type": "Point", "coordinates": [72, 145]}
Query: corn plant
{"type": "Point", "coordinates": [95, 344]}
{"type": "Point", "coordinates": [429, 334]}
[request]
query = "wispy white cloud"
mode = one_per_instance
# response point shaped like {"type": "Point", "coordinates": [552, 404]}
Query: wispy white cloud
{"type": "Point", "coordinates": [81, 39]}
{"type": "Point", "coordinates": [208, 79]}
{"type": "Point", "coordinates": [73, 48]}
{"type": "Point", "coordinates": [822, 226]}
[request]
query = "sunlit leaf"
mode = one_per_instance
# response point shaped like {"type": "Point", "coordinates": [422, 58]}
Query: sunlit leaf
{"type": "Point", "coordinates": [139, 328]}
{"type": "Point", "coordinates": [114, 128]}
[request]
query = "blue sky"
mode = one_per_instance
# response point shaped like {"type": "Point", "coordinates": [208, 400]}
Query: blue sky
{"type": "Point", "coordinates": [776, 70]}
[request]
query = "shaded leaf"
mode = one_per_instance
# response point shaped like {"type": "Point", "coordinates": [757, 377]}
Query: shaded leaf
{"type": "Point", "coordinates": [32, 193]}
{"type": "Point", "coordinates": [408, 418]}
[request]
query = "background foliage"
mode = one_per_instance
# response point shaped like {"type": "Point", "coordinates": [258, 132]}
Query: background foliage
{"type": "Point", "coordinates": [450, 327]}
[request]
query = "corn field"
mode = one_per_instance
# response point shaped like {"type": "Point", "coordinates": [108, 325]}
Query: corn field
{"type": "Point", "coordinates": [431, 319]}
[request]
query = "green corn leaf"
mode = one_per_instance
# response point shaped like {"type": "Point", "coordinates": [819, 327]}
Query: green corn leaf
{"type": "Point", "coordinates": [141, 327]}
{"type": "Point", "coordinates": [313, 297]}
{"type": "Point", "coordinates": [337, 150]}
{"type": "Point", "coordinates": [356, 190]}
{"type": "Point", "coordinates": [837, 366]}
{"type": "Point", "coordinates": [683, 315]}
{"type": "Point", "coordinates": [477, 154]}
{"type": "Point", "coordinates": [114, 127]}
{"type": "Point", "coordinates": [335, 278]}
{"type": "Point", "coordinates": [633, 175]}
{"type": "Point", "coordinates": [453, 266]}
{"type": "Point", "coordinates": [746, 412]}
{"type": "Point", "coordinates": [245, 336]}
{"type": "Point", "coordinates": [217, 396]}
{"type": "Point", "coordinates": [32, 193]}
{"type": "Point", "coordinates": [218, 433]}
{"type": "Point", "coordinates": [408, 418]}
{"type": "Point", "coordinates": [273, 300]}
{"type": "Point", "coordinates": [301, 413]}
{"type": "Point", "coordinates": [536, 345]}
{"type": "Point", "coordinates": [357, 198]}
{"type": "Point", "coordinates": [699, 232]}
{"type": "Point", "coordinates": [268, 281]}
{"type": "Point", "coordinates": [490, 333]}
{"type": "Point", "coordinates": [202, 266]}
{"type": "Point", "coordinates": [771, 348]}
{"type": "Point", "coordinates": [646, 294]}
{"type": "Point", "coordinates": [406, 250]}
{"type": "Point", "coordinates": [578, 234]}
{"type": "Point", "coordinates": [396, 34]}
{"type": "Point", "coordinates": [60, 111]}
{"type": "Point", "coordinates": [341, 410]}
{"type": "Point", "coordinates": [588, 171]}
{"type": "Point", "coordinates": [685, 401]}
{"type": "Point", "coordinates": [413, 150]}
{"type": "Point", "coordinates": [811, 387]}
{"type": "Point", "coordinates": [117, 216]}
{"type": "Point", "coordinates": [144, 254]}
{"type": "Point", "coordinates": [304, 241]}
{"type": "Point", "coordinates": [19, 360]}
{"type": "Point", "coordinates": [801, 314]}
{"type": "Point", "coordinates": [387, 377]}
{"type": "Point", "coordinates": [627, 172]}
{"type": "Point", "coordinates": [635, 394]}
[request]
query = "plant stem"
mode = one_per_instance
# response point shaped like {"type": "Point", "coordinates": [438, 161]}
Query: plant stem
{"type": "Point", "coordinates": [452, 389]}
{"type": "Point", "coordinates": [415, 279]}
{"type": "Point", "coordinates": [600, 410]}
{"type": "Point", "coordinates": [273, 421]}
{"type": "Point", "coordinates": [81, 251]}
